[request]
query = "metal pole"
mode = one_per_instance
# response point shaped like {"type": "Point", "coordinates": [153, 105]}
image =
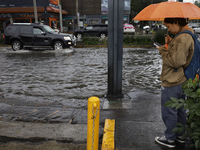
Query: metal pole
{"type": "Point", "coordinates": [61, 21]}
{"type": "Point", "coordinates": [35, 11]}
{"type": "Point", "coordinates": [77, 15]}
{"type": "Point", "coordinates": [115, 47]}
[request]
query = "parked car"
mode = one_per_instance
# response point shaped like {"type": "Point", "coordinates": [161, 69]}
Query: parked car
{"type": "Point", "coordinates": [21, 35]}
{"type": "Point", "coordinates": [162, 26]}
{"type": "Point", "coordinates": [146, 27]}
{"type": "Point", "coordinates": [197, 29]}
{"type": "Point", "coordinates": [193, 25]}
{"type": "Point", "coordinates": [129, 28]}
{"type": "Point", "coordinates": [100, 30]}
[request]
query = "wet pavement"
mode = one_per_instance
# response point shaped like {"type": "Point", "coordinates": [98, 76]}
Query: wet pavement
{"type": "Point", "coordinates": [52, 87]}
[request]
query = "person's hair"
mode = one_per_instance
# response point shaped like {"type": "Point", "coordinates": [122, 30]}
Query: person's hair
{"type": "Point", "coordinates": [180, 21]}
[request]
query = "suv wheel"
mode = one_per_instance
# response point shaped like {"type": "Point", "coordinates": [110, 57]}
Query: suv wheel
{"type": "Point", "coordinates": [16, 45]}
{"type": "Point", "coordinates": [102, 35]}
{"type": "Point", "coordinates": [58, 45]}
{"type": "Point", "coordinates": [79, 36]}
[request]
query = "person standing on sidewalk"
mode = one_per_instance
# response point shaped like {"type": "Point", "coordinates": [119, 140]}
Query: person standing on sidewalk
{"type": "Point", "coordinates": [176, 55]}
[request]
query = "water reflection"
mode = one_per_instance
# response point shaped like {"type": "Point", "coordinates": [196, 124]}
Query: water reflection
{"type": "Point", "coordinates": [142, 68]}
{"type": "Point", "coordinates": [65, 77]}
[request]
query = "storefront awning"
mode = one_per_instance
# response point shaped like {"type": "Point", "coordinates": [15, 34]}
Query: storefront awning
{"type": "Point", "coordinates": [29, 10]}
{"type": "Point", "coordinates": [53, 9]}
{"type": "Point", "coordinates": [20, 9]}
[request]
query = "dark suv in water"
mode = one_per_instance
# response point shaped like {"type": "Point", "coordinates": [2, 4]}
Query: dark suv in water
{"type": "Point", "coordinates": [21, 35]}
{"type": "Point", "coordinates": [100, 30]}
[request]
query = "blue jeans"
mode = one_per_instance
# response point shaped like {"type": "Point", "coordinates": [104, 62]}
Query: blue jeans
{"type": "Point", "coordinates": [171, 116]}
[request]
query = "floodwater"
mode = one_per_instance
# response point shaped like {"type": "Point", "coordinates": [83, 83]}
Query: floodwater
{"type": "Point", "coordinates": [70, 77]}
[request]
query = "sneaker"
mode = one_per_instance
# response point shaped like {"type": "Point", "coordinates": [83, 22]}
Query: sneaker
{"type": "Point", "coordinates": [163, 141]}
{"type": "Point", "coordinates": [180, 139]}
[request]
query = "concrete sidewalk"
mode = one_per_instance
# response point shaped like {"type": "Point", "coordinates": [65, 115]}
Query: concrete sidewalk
{"type": "Point", "coordinates": [36, 136]}
{"type": "Point", "coordinates": [137, 122]}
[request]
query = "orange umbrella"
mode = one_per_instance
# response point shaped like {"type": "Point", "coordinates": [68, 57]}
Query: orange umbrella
{"type": "Point", "coordinates": [170, 9]}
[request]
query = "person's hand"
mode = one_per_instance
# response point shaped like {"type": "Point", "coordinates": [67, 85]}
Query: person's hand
{"type": "Point", "coordinates": [167, 39]}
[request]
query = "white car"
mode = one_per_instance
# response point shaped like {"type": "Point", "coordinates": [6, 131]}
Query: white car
{"type": "Point", "coordinates": [146, 27]}
{"type": "Point", "coordinates": [193, 25]}
{"type": "Point", "coordinates": [197, 29]}
{"type": "Point", "coordinates": [163, 26]}
{"type": "Point", "coordinates": [129, 28]}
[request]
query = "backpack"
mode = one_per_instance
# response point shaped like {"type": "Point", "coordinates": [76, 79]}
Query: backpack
{"type": "Point", "coordinates": [193, 69]}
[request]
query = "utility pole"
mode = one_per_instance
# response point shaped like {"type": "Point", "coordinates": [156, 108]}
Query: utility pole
{"type": "Point", "coordinates": [35, 11]}
{"type": "Point", "coordinates": [77, 14]}
{"type": "Point", "coordinates": [61, 21]}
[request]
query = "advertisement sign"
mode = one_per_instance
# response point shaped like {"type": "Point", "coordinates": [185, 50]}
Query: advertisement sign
{"type": "Point", "coordinates": [104, 6]}
{"type": "Point", "coordinates": [20, 3]}
{"type": "Point", "coordinates": [54, 3]}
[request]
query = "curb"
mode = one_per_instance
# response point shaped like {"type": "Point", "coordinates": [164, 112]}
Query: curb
{"type": "Point", "coordinates": [124, 46]}
{"type": "Point", "coordinates": [85, 46]}
{"type": "Point", "coordinates": [108, 136]}
{"type": "Point", "coordinates": [43, 131]}
{"type": "Point", "coordinates": [5, 46]}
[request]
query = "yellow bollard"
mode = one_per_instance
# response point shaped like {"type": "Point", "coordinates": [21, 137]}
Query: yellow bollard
{"type": "Point", "coordinates": [93, 123]}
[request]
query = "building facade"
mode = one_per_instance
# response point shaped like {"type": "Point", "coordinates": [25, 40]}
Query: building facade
{"type": "Point", "coordinates": [75, 13]}
{"type": "Point", "coordinates": [15, 11]}
{"type": "Point", "coordinates": [89, 12]}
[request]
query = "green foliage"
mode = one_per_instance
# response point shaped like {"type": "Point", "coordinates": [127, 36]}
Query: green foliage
{"type": "Point", "coordinates": [137, 6]}
{"type": "Point", "coordinates": [128, 39]}
{"type": "Point", "coordinates": [104, 41]}
{"type": "Point", "coordinates": [192, 104]}
{"type": "Point", "coordinates": [159, 36]}
{"type": "Point", "coordinates": [197, 3]}
{"type": "Point", "coordinates": [137, 40]}
{"type": "Point", "coordinates": [90, 40]}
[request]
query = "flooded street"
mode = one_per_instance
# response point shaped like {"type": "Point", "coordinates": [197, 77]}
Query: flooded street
{"type": "Point", "coordinates": [67, 78]}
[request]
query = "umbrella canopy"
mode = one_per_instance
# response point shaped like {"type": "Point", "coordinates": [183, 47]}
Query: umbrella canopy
{"type": "Point", "coordinates": [170, 9]}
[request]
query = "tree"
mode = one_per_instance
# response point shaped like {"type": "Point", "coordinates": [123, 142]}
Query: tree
{"type": "Point", "coordinates": [137, 6]}
{"type": "Point", "coordinates": [197, 3]}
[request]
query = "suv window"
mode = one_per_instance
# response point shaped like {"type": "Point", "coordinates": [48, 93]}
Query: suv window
{"type": "Point", "coordinates": [37, 31]}
{"type": "Point", "coordinates": [48, 29]}
{"type": "Point", "coordinates": [26, 29]}
{"type": "Point", "coordinates": [11, 29]}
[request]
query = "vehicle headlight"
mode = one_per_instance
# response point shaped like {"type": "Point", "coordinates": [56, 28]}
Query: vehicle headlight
{"type": "Point", "coordinates": [67, 38]}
